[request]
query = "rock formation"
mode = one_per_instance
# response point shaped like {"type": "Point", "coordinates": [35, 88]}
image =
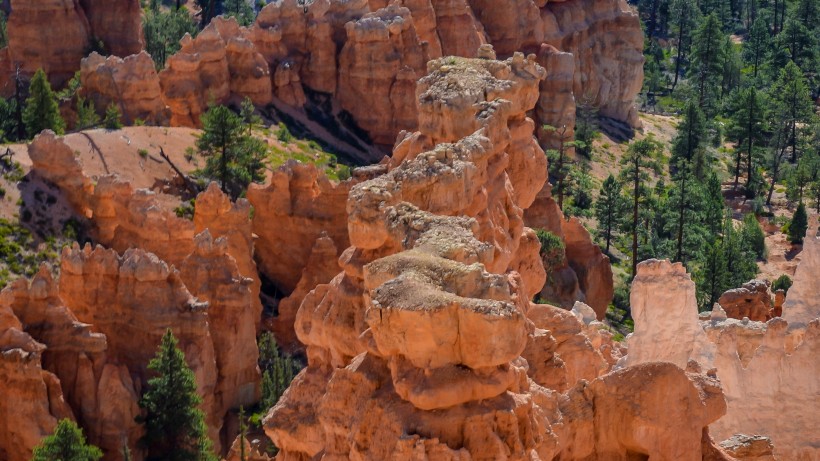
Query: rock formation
{"type": "Point", "coordinates": [55, 35]}
{"type": "Point", "coordinates": [132, 84]}
{"type": "Point", "coordinates": [415, 348]}
{"type": "Point", "coordinates": [218, 65]}
{"type": "Point", "coordinates": [802, 304]}
{"type": "Point", "coordinates": [753, 301]}
{"type": "Point", "coordinates": [587, 274]}
{"type": "Point", "coordinates": [304, 204]}
{"type": "Point", "coordinates": [117, 26]}
{"type": "Point", "coordinates": [378, 69]}
{"type": "Point", "coordinates": [768, 371]}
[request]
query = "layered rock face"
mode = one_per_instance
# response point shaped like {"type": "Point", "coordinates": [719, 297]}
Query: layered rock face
{"type": "Point", "coordinates": [420, 347]}
{"type": "Point", "coordinates": [54, 35]}
{"type": "Point", "coordinates": [768, 371]}
{"type": "Point", "coordinates": [132, 84]}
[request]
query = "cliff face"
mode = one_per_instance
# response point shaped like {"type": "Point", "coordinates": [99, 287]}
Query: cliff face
{"type": "Point", "coordinates": [420, 348]}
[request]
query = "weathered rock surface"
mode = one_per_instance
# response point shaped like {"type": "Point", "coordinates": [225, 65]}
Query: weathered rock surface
{"type": "Point", "coordinates": [753, 301]}
{"type": "Point", "coordinates": [55, 35]}
{"type": "Point", "coordinates": [802, 304]}
{"type": "Point", "coordinates": [220, 64]}
{"type": "Point", "coordinates": [117, 25]}
{"type": "Point", "coordinates": [415, 348]}
{"type": "Point", "coordinates": [57, 48]}
{"type": "Point", "coordinates": [767, 370]}
{"type": "Point", "coordinates": [378, 69]}
{"type": "Point", "coordinates": [132, 84]}
{"type": "Point", "coordinates": [304, 204]}
{"type": "Point", "coordinates": [746, 447]}
{"type": "Point", "coordinates": [665, 311]}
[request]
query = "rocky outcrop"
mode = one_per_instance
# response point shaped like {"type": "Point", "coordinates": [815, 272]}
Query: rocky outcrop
{"type": "Point", "coordinates": [132, 84]}
{"type": "Point", "coordinates": [378, 69]}
{"type": "Point", "coordinates": [57, 48]}
{"type": "Point", "coordinates": [746, 447]}
{"type": "Point", "coordinates": [117, 26]}
{"type": "Point", "coordinates": [802, 304]}
{"type": "Point", "coordinates": [767, 370]}
{"type": "Point", "coordinates": [556, 106]}
{"type": "Point", "coordinates": [753, 301]}
{"type": "Point", "coordinates": [54, 161]}
{"type": "Point", "coordinates": [73, 28]}
{"type": "Point", "coordinates": [221, 64]}
{"type": "Point", "coordinates": [665, 311]}
{"type": "Point", "coordinates": [100, 392]}
{"type": "Point", "coordinates": [417, 348]}
{"type": "Point", "coordinates": [304, 204]}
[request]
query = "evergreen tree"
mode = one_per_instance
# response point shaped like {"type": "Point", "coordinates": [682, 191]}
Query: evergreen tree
{"type": "Point", "coordinates": [586, 126]}
{"type": "Point", "coordinates": [67, 443]}
{"type": "Point", "coordinates": [747, 117]}
{"type": "Point", "coordinates": [757, 46]}
{"type": "Point", "coordinates": [240, 9]}
{"type": "Point", "coordinates": [690, 136]}
{"type": "Point", "coordinates": [685, 17]}
{"type": "Point", "coordinates": [113, 117]}
{"type": "Point", "coordinates": [174, 426]}
{"type": "Point", "coordinates": [233, 157]}
{"type": "Point", "coordinates": [640, 160]}
{"type": "Point", "coordinates": [798, 225]}
{"type": "Point", "coordinates": [42, 112]}
{"type": "Point", "coordinates": [714, 206]}
{"type": "Point", "coordinates": [711, 278]}
{"type": "Point", "coordinates": [559, 163]}
{"type": "Point", "coordinates": [8, 122]}
{"type": "Point", "coordinates": [278, 370]}
{"type": "Point", "coordinates": [163, 31]}
{"type": "Point", "coordinates": [752, 235]}
{"type": "Point", "coordinates": [707, 59]}
{"type": "Point", "coordinates": [209, 10]}
{"type": "Point", "coordinates": [86, 114]}
{"type": "Point", "coordinates": [793, 104]}
{"type": "Point", "coordinates": [797, 44]}
{"type": "Point", "coordinates": [609, 209]}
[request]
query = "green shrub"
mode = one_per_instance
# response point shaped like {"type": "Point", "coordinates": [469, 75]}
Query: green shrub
{"type": "Point", "coordinates": [113, 117]}
{"type": "Point", "coordinates": [784, 282]}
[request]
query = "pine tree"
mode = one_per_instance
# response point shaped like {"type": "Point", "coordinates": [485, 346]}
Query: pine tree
{"type": "Point", "coordinates": [163, 31]}
{"type": "Point", "coordinates": [711, 278]}
{"type": "Point", "coordinates": [86, 114]}
{"type": "Point", "coordinates": [690, 137]}
{"type": "Point", "coordinates": [67, 443]}
{"type": "Point", "coordinates": [752, 235]}
{"type": "Point", "coordinates": [240, 9]}
{"type": "Point", "coordinates": [793, 104]}
{"type": "Point", "coordinates": [174, 425]}
{"type": "Point", "coordinates": [747, 118]}
{"type": "Point", "coordinates": [234, 158]}
{"type": "Point", "coordinates": [685, 16]}
{"type": "Point", "coordinates": [278, 370]}
{"type": "Point", "coordinates": [707, 59]}
{"type": "Point", "coordinates": [757, 46]}
{"type": "Point", "coordinates": [42, 112]}
{"type": "Point", "coordinates": [639, 161]}
{"type": "Point", "coordinates": [798, 225]}
{"type": "Point", "coordinates": [609, 209]}
{"type": "Point", "coordinates": [113, 117]}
